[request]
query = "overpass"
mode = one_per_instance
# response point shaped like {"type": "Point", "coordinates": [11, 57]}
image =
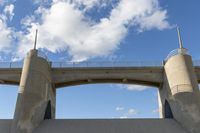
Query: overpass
{"type": "Point", "coordinates": [176, 78]}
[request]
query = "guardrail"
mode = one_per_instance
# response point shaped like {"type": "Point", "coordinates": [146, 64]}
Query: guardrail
{"type": "Point", "coordinates": [95, 64]}
{"type": "Point", "coordinates": [182, 51]}
{"type": "Point", "coordinates": [106, 64]}
{"type": "Point", "coordinates": [11, 64]}
{"type": "Point", "coordinates": [42, 55]}
{"type": "Point", "coordinates": [196, 63]}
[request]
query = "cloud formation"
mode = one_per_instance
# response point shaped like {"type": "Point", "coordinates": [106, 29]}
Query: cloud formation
{"type": "Point", "coordinates": [155, 111]}
{"type": "Point", "coordinates": [119, 108]}
{"type": "Point", "coordinates": [133, 87]}
{"type": "Point", "coordinates": [127, 113]}
{"type": "Point", "coordinates": [64, 26]}
{"type": "Point", "coordinates": [4, 2]}
{"type": "Point", "coordinates": [6, 33]}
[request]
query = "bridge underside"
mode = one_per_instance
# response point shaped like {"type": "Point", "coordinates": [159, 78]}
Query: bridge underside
{"type": "Point", "coordinates": [104, 126]}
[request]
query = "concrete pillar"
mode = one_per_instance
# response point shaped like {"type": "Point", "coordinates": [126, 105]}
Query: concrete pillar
{"type": "Point", "coordinates": [180, 95]}
{"type": "Point", "coordinates": [36, 96]}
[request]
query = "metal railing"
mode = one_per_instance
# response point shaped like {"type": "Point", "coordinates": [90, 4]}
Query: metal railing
{"type": "Point", "coordinates": [196, 63]}
{"type": "Point", "coordinates": [42, 55]}
{"type": "Point", "coordinates": [95, 64]}
{"type": "Point", "coordinates": [11, 64]}
{"type": "Point", "coordinates": [182, 51]}
{"type": "Point", "coordinates": [107, 64]}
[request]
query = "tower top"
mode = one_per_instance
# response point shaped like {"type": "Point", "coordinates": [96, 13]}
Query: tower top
{"type": "Point", "coordinates": [35, 43]}
{"type": "Point", "coordinates": [179, 38]}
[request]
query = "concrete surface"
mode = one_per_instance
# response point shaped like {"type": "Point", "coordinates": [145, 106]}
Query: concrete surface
{"type": "Point", "coordinates": [110, 126]}
{"type": "Point", "coordinates": [177, 81]}
{"type": "Point", "coordinates": [35, 92]}
{"type": "Point", "coordinates": [180, 94]}
{"type": "Point", "coordinates": [150, 76]}
{"type": "Point", "coordinates": [5, 126]}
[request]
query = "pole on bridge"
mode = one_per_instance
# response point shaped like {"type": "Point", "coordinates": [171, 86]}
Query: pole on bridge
{"type": "Point", "coordinates": [179, 38]}
{"type": "Point", "coordinates": [35, 43]}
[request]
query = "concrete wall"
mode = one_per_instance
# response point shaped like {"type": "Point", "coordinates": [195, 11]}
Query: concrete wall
{"type": "Point", "coordinates": [150, 76]}
{"type": "Point", "coordinates": [177, 82]}
{"type": "Point", "coordinates": [10, 76]}
{"type": "Point", "coordinates": [5, 126]}
{"type": "Point", "coordinates": [180, 90]}
{"type": "Point", "coordinates": [35, 92]}
{"type": "Point", "coordinates": [110, 126]}
{"type": "Point", "coordinates": [180, 72]}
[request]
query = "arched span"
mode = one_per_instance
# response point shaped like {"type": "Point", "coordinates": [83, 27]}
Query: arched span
{"type": "Point", "coordinates": [148, 76]}
{"type": "Point", "coordinates": [104, 81]}
{"type": "Point", "coordinates": [10, 76]}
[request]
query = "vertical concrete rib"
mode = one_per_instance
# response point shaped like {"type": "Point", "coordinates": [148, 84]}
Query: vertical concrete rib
{"type": "Point", "coordinates": [35, 93]}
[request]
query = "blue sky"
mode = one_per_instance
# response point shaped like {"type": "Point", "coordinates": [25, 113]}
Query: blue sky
{"type": "Point", "coordinates": [97, 30]}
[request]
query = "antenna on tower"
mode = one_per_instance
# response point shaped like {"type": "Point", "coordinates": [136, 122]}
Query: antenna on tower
{"type": "Point", "coordinates": [179, 38]}
{"type": "Point", "coordinates": [35, 43]}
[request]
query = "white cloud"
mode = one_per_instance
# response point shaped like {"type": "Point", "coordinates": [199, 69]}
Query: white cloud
{"type": "Point", "coordinates": [156, 20]}
{"type": "Point", "coordinates": [123, 117]}
{"type": "Point", "coordinates": [41, 1]}
{"type": "Point", "coordinates": [89, 4]}
{"type": "Point", "coordinates": [8, 11]}
{"type": "Point", "coordinates": [126, 113]}
{"type": "Point", "coordinates": [133, 87]}
{"type": "Point", "coordinates": [4, 2]}
{"type": "Point", "coordinates": [65, 27]}
{"type": "Point", "coordinates": [132, 112]}
{"type": "Point", "coordinates": [119, 108]}
{"type": "Point", "coordinates": [155, 111]}
{"type": "Point", "coordinates": [6, 33]}
{"type": "Point", "coordinates": [5, 37]}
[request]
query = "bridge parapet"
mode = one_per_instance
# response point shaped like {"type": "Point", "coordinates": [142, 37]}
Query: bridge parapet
{"type": "Point", "coordinates": [107, 64]}
{"type": "Point", "coordinates": [11, 64]}
{"type": "Point", "coordinates": [196, 63]}
{"type": "Point", "coordinates": [178, 51]}
{"type": "Point", "coordinates": [95, 64]}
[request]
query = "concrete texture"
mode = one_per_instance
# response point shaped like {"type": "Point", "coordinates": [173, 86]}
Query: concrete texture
{"type": "Point", "coordinates": [5, 126]}
{"type": "Point", "coordinates": [150, 76]}
{"type": "Point", "coordinates": [110, 126]}
{"type": "Point", "coordinates": [180, 94]}
{"type": "Point", "coordinates": [10, 76]}
{"type": "Point", "coordinates": [177, 81]}
{"type": "Point", "coordinates": [35, 92]}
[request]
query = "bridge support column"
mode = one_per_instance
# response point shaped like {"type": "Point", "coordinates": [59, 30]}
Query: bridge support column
{"type": "Point", "coordinates": [180, 96]}
{"type": "Point", "coordinates": [36, 97]}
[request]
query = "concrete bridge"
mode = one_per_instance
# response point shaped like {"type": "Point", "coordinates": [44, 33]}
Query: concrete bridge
{"type": "Point", "coordinates": [176, 79]}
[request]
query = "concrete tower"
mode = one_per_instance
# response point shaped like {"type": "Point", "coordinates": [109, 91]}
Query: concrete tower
{"type": "Point", "coordinates": [179, 93]}
{"type": "Point", "coordinates": [36, 96]}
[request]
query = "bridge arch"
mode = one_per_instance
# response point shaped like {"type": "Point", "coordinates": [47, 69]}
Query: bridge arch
{"type": "Point", "coordinates": [99, 100]}
{"type": "Point", "coordinates": [148, 76]}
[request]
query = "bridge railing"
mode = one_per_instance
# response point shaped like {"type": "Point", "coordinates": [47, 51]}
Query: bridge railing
{"type": "Point", "coordinates": [106, 64]}
{"type": "Point", "coordinates": [95, 64]}
{"type": "Point", "coordinates": [11, 64]}
{"type": "Point", "coordinates": [182, 51]}
{"type": "Point", "coordinates": [196, 63]}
